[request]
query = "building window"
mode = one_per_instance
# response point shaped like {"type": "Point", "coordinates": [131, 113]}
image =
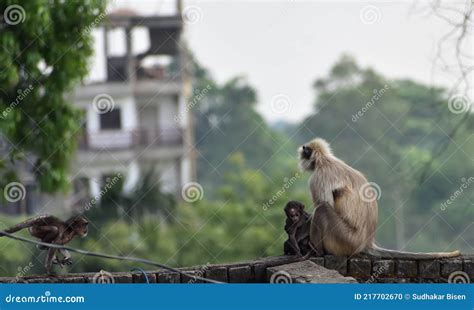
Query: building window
{"type": "Point", "coordinates": [111, 120]}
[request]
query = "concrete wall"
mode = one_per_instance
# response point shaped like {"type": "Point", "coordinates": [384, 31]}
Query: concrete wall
{"type": "Point", "coordinates": [363, 269]}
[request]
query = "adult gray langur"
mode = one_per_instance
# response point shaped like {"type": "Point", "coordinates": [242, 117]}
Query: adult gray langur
{"type": "Point", "coordinates": [344, 221]}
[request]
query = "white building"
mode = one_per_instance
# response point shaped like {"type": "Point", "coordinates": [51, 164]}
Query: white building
{"type": "Point", "coordinates": [135, 117]}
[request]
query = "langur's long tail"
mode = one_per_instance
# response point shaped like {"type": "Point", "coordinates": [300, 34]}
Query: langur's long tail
{"type": "Point", "coordinates": [375, 250]}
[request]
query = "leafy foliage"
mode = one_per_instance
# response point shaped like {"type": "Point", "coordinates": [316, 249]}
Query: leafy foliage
{"type": "Point", "coordinates": [226, 123]}
{"type": "Point", "coordinates": [42, 59]}
{"type": "Point", "coordinates": [145, 199]}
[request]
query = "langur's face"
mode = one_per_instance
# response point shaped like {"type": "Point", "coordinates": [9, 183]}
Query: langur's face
{"type": "Point", "coordinates": [306, 157]}
{"type": "Point", "coordinates": [81, 229]}
{"type": "Point", "coordinates": [294, 215]}
{"type": "Point", "coordinates": [306, 152]}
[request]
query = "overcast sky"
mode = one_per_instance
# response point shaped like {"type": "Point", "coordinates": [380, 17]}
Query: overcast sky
{"type": "Point", "coordinates": [283, 46]}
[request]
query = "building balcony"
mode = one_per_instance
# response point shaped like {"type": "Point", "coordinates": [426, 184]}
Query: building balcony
{"type": "Point", "coordinates": [117, 70]}
{"type": "Point", "coordinates": [145, 88]}
{"type": "Point", "coordinates": [126, 140]}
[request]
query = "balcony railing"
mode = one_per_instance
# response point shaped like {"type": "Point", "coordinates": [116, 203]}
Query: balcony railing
{"type": "Point", "coordinates": [123, 140]}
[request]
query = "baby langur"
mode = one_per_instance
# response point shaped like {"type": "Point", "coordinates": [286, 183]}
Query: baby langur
{"type": "Point", "coordinates": [297, 228]}
{"type": "Point", "coordinates": [50, 229]}
{"type": "Point", "coordinates": [344, 221]}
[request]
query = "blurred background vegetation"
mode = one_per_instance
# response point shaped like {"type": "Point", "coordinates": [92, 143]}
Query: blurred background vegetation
{"type": "Point", "coordinates": [391, 143]}
{"type": "Point", "coordinates": [243, 162]}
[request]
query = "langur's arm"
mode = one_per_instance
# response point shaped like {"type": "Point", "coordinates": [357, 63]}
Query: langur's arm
{"type": "Point", "coordinates": [288, 226]}
{"type": "Point", "coordinates": [290, 229]}
{"type": "Point", "coordinates": [303, 231]}
{"type": "Point", "coordinates": [294, 243]}
{"type": "Point", "coordinates": [329, 196]}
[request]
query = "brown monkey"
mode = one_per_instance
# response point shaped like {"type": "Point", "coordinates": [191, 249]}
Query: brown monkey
{"type": "Point", "coordinates": [297, 227]}
{"type": "Point", "coordinates": [50, 229]}
{"type": "Point", "coordinates": [344, 221]}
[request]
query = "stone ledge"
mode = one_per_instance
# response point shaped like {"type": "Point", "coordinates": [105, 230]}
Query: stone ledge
{"type": "Point", "coordinates": [365, 269]}
{"type": "Point", "coordinates": [305, 272]}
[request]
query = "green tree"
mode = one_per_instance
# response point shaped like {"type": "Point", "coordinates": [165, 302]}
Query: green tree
{"type": "Point", "coordinates": [226, 122]}
{"type": "Point", "coordinates": [145, 199]}
{"type": "Point", "coordinates": [46, 47]}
